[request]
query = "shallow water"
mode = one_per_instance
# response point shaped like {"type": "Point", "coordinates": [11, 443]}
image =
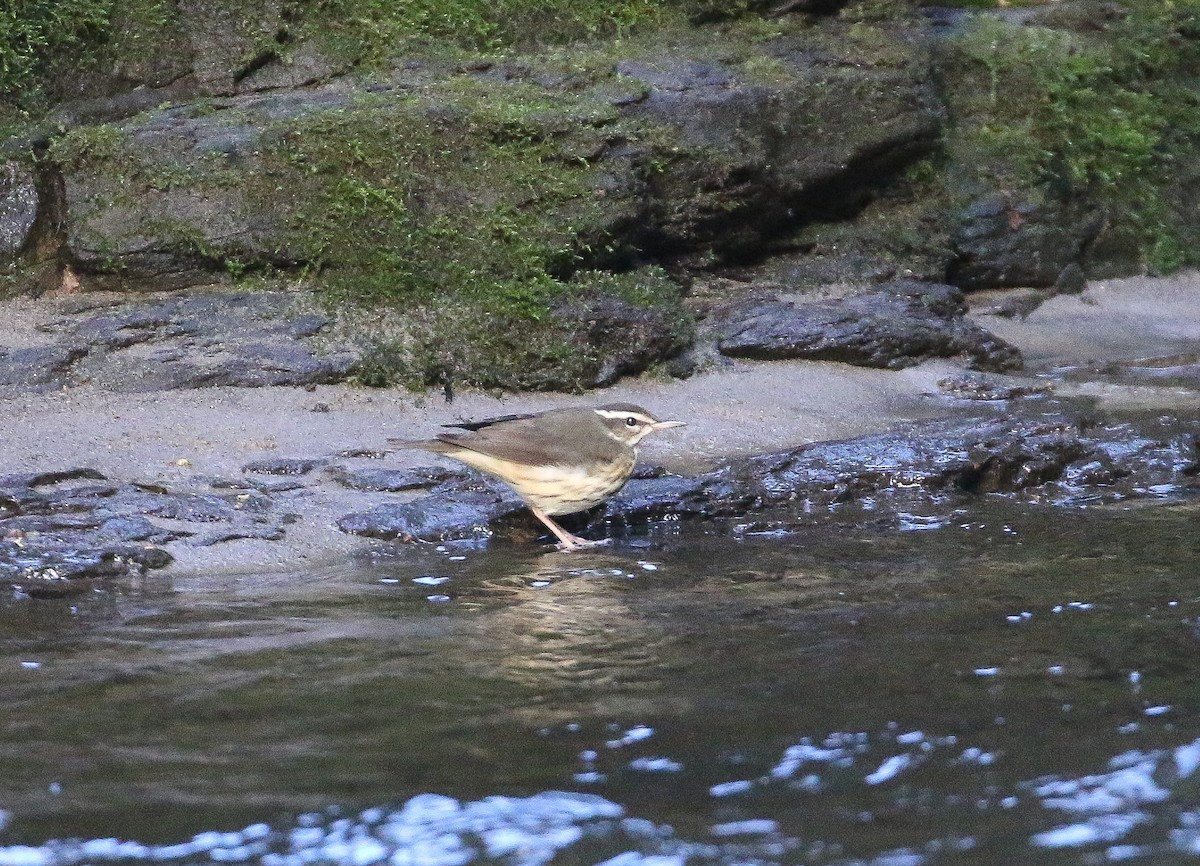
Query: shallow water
{"type": "Point", "coordinates": [994, 684]}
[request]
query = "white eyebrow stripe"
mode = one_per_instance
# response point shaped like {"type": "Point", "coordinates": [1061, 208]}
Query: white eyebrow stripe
{"type": "Point", "coordinates": [616, 415]}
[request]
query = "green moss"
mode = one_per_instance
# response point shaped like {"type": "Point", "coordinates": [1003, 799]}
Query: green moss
{"type": "Point", "coordinates": [89, 146]}
{"type": "Point", "coordinates": [1104, 115]}
{"type": "Point", "coordinates": [463, 341]}
{"type": "Point", "coordinates": [33, 30]}
{"type": "Point", "coordinates": [414, 200]}
{"type": "Point", "coordinates": [468, 208]}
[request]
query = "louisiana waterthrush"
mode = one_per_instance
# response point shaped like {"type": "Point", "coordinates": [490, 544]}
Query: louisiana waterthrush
{"type": "Point", "coordinates": [558, 462]}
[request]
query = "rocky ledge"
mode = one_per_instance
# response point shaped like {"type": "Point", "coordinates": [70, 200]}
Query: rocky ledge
{"type": "Point", "coordinates": [62, 532]}
{"type": "Point", "coordinates": [257, 339]}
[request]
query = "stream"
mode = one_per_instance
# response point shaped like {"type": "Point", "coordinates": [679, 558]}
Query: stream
{"type": "Point", "coordinates": [992, 683]}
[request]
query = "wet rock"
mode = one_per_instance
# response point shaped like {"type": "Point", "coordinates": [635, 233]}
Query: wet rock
{"type": "Point", "coordinates": [1171, 371]}
{"type": "Point", "coordinates": [901, 324]}
{"type": "Point", "coordinates": [58, 537]}
{"type": "Point", "coordinates": [18, 208]}
{"type": "Point", "coordinates": [55, 573]}
{"type": "Point", "coordinates": [642, 499]}
{"type": "Point", "coordinates": [262, 485]}
{"type": "Point", "coordinates": [999, 243]}
{"type": "Point", "coordinates": [264, 532]}
{"type": "Point", "coordinates": [1034, 458]}
{"type": "Point", "coordinates": [977, 388]}
{"type": "Point", "coordinates": [447, 515]}
{"type": "Point", "coordinates": [63, 532]}
{"type": "Point", "coordinates": [393, 480]}
{"type": "Point", "coordinates": [285, 465]}
{"type": "Point", "coordinates": [1053, 460]}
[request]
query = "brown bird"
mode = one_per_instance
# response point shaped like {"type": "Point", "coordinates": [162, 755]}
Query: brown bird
{"type": "Point", "coordinates": [559, 462]}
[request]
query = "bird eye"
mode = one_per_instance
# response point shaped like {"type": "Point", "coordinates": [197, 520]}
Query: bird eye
{"type": "Point", "coordinates": [631, 421]}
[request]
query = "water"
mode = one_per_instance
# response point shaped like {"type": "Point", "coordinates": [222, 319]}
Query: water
{"type": "Point", "coordinates": [993, 684]}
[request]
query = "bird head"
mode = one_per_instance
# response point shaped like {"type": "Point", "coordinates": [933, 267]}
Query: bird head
{"type": "Point", "coordinates": [630, 424]}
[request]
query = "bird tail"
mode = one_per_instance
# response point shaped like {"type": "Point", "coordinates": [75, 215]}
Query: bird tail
{"type": "Point", "coordinates": [435, 445]}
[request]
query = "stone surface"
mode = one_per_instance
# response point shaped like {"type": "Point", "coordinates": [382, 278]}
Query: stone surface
{"type": "Point", "coordinates": [62, 532]}
{"type": "Point", "coordinates": [448, 515]}
{"type": "Point", "coordinates": [1000, 243]}
{"type": "Point", "coordinates": [625, 339]}
{"type": "Point", "coordinates": [1041, 458]}
{"type": "Point", "coordinates": [392, 480]}
{"type": "Point", "coordinates": [174, 196]}
{"type": "Point", "coordinates": [203, 340]}
{"type": "Point", "coordinates": [898, 325]}
{"type": "Point", "coordinates": [18, 208]}
{"type": "Point", "coordinates": [760, 156]}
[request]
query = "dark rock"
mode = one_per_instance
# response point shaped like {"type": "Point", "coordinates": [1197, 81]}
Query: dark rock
{"type": "Point", "coordinates": [976, 388]}
{"type": "Point", "coordinates": [445, 516]}
{"type": "Point", "coordinates": [203, 340]}
{"type": "Point", "coordinates": [59, 537]}
{"type": "Point", "coordinates": [175, 199]}
{"type": "Point", "coordinates": [644, 499]}
{"type": "Point", "coordinates": [1171, 371]}
{"type": "Point", "coordinates": [39, 367]}
{"type": "Point", "coordinates": [1001, 244]}
{"type": "Point", "coordinates": [1019, 304]}
{"type": "Point", "coordinates": [393, 480]}
{"type": "Point", "coordinates": [761, 157]}
{"type": "Point", "coordinates": [264, 532]}
{"type": "Point", "coordinates": [285, 465]}
{"type": "Point", "coordinates": [1031, 458]}
{"type": "Point", "coordinates": [58, 573]}
{"type": "Point", "coordinates": [943, 463]}
{"type": "Point", "coordinates": [901, 324]}
{"type": "Point", "coordinates": [18, 208]}
{"type": "Point", "coordinates": [48, 479]}
{"type": "Point", "coordinates": [190, 507]}
{"type": "Point", "coordinates": [1071, 281]}
{"type": "Point", "coordinates": [135, 528]}
{"type": "Point", "coordinates": [62, 532]}
{"type": "Point", "coordinates": [626, 339]}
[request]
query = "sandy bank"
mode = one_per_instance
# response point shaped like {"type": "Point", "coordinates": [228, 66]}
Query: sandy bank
{"type": "Point", "coordinates": [185, 438]}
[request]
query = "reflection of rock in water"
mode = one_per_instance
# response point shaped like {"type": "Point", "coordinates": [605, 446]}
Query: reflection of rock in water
{"type": "Point", "coordinates": [568, 626]}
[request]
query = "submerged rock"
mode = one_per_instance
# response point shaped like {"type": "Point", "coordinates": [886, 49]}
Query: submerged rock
{"type": "Point", "coordinates": [899, 325]}
{"type": "Point", "coordinates": [61, 533]}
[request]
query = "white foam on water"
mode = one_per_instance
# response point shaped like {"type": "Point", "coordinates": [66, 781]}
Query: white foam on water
{"type": "Point", "coordinates": [655, 765]}
{"type": "Point", "coordinates": [889, 769]}
{"type": "Point", "coordinates": [429, 830]}
{"type": "Point", "coordinates": [748, 827]}
{"type": "Point", "coordinates": [634, 735]}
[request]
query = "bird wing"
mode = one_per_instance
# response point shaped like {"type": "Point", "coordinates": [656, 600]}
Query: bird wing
{"type": "Point", "coordinates": [488, 422]}
{"type": "Point", "coordinates": [521, 441]}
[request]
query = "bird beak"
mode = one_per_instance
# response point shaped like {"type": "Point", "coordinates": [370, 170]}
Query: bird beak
{"type": "Point", "coordinates": [667, 425]}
